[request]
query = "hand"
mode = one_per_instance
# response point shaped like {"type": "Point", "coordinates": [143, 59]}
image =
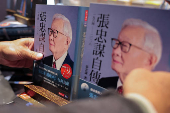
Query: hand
{"type": "Point", "coordinates": [152, 85]}
{"type": "Point", "coordinates": [18, 53]}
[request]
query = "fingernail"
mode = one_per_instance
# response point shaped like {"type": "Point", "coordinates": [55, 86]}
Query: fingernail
{"type": "Point", "coordinates": [39, 55]}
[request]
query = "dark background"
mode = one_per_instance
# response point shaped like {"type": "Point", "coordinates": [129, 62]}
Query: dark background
{"type": "Point", "coordinates": [3, 9]}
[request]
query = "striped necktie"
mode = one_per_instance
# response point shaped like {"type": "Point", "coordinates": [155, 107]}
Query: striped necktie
{"type": "Point", "coordinates": [120, 90]}
{"type": "Point", "coordinates": [54, 65]}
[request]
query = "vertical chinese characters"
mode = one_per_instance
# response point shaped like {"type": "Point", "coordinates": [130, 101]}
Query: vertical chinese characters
{"type": "Point", "coordinates": [42, 31]}
{"type": "Point", "coordinates": [102, 23]}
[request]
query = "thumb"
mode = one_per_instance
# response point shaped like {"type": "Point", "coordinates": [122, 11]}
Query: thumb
{"type": "Point", "coordinates": [32, 55]}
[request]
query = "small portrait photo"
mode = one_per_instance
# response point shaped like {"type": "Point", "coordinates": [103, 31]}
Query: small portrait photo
{"type": "Point", "coordinates": [60, 37]}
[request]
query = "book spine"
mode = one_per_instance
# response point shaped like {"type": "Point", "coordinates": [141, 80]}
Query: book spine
{"type": "Point", "coordinates": [8, 38]}
{"type": "Point", "coordinates": [81, 33]}
{"type": "Point", "coordinates": [24, 31]}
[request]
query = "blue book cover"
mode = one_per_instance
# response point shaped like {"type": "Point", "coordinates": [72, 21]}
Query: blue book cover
{"type": "Point", "coordinates": [58, 32]}
{"type": "Point", "coordinates": [120, 39]}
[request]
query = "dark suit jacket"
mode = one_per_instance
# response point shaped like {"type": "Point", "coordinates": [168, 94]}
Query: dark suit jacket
{"type": "Point", "coordinates": [49, 60]}
{"type": "Point", "coordinates": [108, 82]}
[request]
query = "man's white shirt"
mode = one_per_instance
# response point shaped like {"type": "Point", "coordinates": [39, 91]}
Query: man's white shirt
{"type": "Point", "coordinates": [60, 61]}
{"type": "Point", "coordinates": [119, 83]}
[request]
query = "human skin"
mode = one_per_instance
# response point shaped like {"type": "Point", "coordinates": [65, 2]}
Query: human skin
{"type": "Point", "coordinates": [59, 45]}
{"type": "Point", "coordinates": [18, 53]}
{"type": "Point", "coordinates": [123, 63]}
{"type": "Point", "coordinates": [154, 86]}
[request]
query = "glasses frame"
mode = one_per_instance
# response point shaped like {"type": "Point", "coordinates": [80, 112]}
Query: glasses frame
{"type": "Point", "coordinates": [120, 43]}
{"type": "Point", "coordinates": [49, 29]}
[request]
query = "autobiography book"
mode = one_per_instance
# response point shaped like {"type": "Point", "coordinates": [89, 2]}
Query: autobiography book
{"type": "Point", "coordinates": [120, 39]}
{"type": "Point", "coordinates": [59, 32]}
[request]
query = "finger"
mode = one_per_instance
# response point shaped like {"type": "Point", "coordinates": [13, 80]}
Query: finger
{"type": "Point", "coordinates": [25, 42]}
{"type": "Point", "coordinates": [137, 74]}
{"type": "Point", "coordinates": [31, 43]}
{"type": "Point", "coordinates": [135, 77]}
{"type": "Point", "coordinates": [31, 55]}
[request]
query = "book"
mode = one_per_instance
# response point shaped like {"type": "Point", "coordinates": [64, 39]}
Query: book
{"type": "Point", "coordinates": [27, 7]}
{"type": "Point", "coordinates": [120, 39]}
{"type": "Point", "coordinates": [21, 31]}
{"type": "Point", "coordinates": [8, 38]}
{"type": "Point", "coordinates": [10, 29]}
{"type": "Point", "coordinates": [59, 32]}
{"type": "Point", "coordinates": [11, 22]}
{"type": "Point", "coordinates": [11, 6]}
{"type": "Point", "coordinates": [25, 10]}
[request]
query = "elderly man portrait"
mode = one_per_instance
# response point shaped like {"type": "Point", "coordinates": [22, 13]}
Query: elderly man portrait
{"type": "Point", "coordinates": [60, 37]}
{"type": "Point", "coordinates": [137, 46]}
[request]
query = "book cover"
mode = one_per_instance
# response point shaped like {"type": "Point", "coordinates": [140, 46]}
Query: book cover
{"type": "Point", "coordinates": [58, 32]}
{"type": "Point", "coordinates": [120, 39]}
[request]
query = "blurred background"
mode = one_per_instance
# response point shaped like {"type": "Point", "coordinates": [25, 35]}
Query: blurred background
{"type": "Point", "coordinates": [141, 3]}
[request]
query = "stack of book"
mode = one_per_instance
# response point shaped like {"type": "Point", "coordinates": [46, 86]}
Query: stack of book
{"type": "Point", "coordinates": [10, 29]}
{"type": "Point", "coordinates": [20, 21]}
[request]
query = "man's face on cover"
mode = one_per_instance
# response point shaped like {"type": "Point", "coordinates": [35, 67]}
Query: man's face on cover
{"type": "Point", "coordinates": [58, 42]}
{"type": "Point", "coordinates": [124, 62]}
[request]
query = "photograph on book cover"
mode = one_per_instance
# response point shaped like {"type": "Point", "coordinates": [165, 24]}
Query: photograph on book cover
{"type": "Point", "coordinates": [55, 37]}
{"type": "Point", "coordinates": [120, 39]}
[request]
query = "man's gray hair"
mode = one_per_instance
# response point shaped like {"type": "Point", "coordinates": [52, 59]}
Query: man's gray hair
{"type": "Point", "coordinates": [67, 30]}
{"type": "Point", "coordinates": [152, 43]}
